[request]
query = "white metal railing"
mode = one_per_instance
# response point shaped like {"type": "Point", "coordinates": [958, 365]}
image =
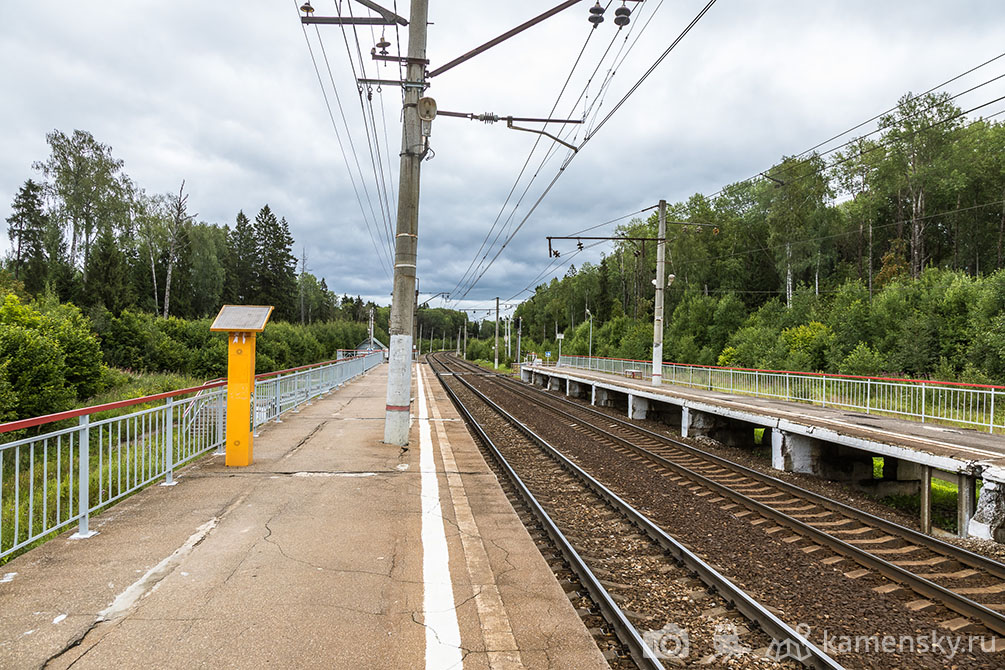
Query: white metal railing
{"type": "Point", "coordinates": [51, 480]}
{"type": "Point", "coordinates": [969, 405]}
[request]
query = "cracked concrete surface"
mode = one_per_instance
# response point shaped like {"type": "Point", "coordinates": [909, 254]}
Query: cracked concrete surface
{"type": "Point", "coordinates": [311, 557]}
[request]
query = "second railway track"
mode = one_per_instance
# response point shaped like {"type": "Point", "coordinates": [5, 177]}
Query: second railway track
{"type": "Point", "coordinates": [956, 591]}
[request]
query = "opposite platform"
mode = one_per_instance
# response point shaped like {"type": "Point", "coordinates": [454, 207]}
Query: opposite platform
{"type": "Point", "coordinates": [332, 550]}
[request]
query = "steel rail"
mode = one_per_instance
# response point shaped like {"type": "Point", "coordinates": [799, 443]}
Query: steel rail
{"type": "Point", "coordinates": [954, 601]}
{"type": "Point", "coordinates": [746, 605]}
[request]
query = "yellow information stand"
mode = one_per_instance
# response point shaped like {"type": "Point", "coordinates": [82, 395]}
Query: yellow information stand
{"type": "Point", "coordinates": [241, 323]}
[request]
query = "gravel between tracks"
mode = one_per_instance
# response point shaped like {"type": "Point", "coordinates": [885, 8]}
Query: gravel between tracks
{"type": "Point", "coordinates": [801, 588]}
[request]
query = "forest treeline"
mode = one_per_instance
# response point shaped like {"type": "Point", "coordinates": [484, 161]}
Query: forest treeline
{"type": "Point", "coordinates": [884, 257]}
{"type": "Point", "coordinates": [85, 232]}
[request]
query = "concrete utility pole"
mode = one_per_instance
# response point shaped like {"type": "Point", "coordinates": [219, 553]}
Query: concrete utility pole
{"type": "Point", "coordinates": [399, 374]}
{"type": "Point", "coordinates": [497, 335]}
{"type": "Point", "coordinates": [509, 329]}
{"type": "Point", "coordinates": [519, 332]}
{"type": "Point", "coordinates": [464, 355]}
{"type": "Point", "coordinates": [658, 316]}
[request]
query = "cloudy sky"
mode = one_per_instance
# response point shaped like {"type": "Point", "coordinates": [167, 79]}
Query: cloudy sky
{"type": "Point", "coordinates": [226, 97]}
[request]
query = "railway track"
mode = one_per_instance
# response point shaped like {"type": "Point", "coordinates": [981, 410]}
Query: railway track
{"type": "Point", "coordinates": [968, 584]}
{"type": "Point", "coordinates": [634, 572]}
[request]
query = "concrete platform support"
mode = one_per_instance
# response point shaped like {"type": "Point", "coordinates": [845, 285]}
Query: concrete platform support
{"type": "Point", "coordinates": [988, 522]}
{"type": "Point", "coordinates": [637, 407]}
{"type": "Point", "coordinates": [603, 398]}
{"type": "Point", "coordinates": [796, 453]}
{"type": "Point", "coordinates": [555, 383]}
{"type": "Point", "coordinates": [777, 456]}
{"type": "Point", "coordinates": [526, 374]}
{"type": "Point", "coordinates": [926, 499]}
{"type": "Point", "coordinates": [966, 502]}
{"type": "Point", "coordinates": [694, 423]}
{"type": "Point", "coordinates": [792, 452]}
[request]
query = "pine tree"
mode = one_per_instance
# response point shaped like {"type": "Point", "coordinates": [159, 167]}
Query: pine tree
{"type": "Point", "coordinates": [107, 273]}
{"type": "Point", "coordinates": [27, 227]}
{"type": "Point", "coordinates": [276, 265]}
{"type": "Point", "coordinates": [242, 262]}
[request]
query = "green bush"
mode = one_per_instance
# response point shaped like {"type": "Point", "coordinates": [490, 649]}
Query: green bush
{"type": "Point", "coordinates": [35, 370]}
{"type": "Point", "coordinates": [863, 360]}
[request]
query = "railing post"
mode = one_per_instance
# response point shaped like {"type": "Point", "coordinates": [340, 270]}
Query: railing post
{"type": "Point", "coordinates": [220, 423]}
{"type": "Point", "coordinates": [84, 480]}
{"type": "Point", "coordinates": [868, 395]}
{"type": "Point", "coordinates": [823, 401]}
{"type": "Point", "coordinates": [169, 443]}
{"type": "Point", "coordinates": [922, 403]}
{"type": "Point", "coordinates": [991, 423]}
{"type": "Point", "coordinates": [279, 398]}
{"type": "Point", "coordinates": [788, 392]}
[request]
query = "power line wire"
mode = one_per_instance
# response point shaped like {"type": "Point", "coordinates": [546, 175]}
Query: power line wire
{"type": "Point", "coordinates": [385, 264]}
{"type": "Point", "coordinates": [569, 158]}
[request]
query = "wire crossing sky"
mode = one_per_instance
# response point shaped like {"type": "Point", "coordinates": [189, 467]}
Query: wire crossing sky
{"type": "Point", "coordinates": [249, 108]}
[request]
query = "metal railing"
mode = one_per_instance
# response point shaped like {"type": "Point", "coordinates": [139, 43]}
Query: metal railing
{"type": "Point", "coordinates": [86, 460]}
{"type": "Point", "coordinates": [967, 405]}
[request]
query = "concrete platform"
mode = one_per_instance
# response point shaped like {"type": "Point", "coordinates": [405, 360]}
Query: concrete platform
{"type": "Point", "coordinates": [333, 550]}
{"type": "Point", "coordinates": [946, 447]}
{"type": "Point", "coordinates": [825, 441]}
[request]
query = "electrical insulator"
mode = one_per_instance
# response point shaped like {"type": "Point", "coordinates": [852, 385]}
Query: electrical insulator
{"type": "Point", "coordinates": [715, 231]}
{"type": "Point", "coordinates": [382, 45]}
{"type": "Point", "coordinates": [306, 8]}
{"type": "Point", "coordinates": [596, 14]}
{"type": "Point", "coordinates": [621, 16]}
{"type": "Point", "coordinates": [579, 245]}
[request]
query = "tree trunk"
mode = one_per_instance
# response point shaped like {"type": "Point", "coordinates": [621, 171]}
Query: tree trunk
{"type": "Point", "coordinates": [1001, 235]}
{"type": "Point", "coordinates": [167, 284]}
{"type": "Point", "coordinates": [177, 223]}
{"type": "Point", "coordinates": [153, 276]}
{"type": "Point", "coordinates": [788, 275]}
{"type": "Point", "coordinates": [870, 259]}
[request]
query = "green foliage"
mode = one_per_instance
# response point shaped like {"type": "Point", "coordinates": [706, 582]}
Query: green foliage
{"type": "Point", "coordinates": [808, 345]}
{"type": "Point", "coordinates": [48, 356]}
{"type": "Point", "coordinates": [863, 360]}
{"type": "Point", "coordinates": [33, 369]}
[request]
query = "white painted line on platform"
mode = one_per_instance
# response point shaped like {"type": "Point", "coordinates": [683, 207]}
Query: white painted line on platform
{"type": "Point", "coordinates": [439, 614]}
{"type": "Point", "coordinates": [497, 633]}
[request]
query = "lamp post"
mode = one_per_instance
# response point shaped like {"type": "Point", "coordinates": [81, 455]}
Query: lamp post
{"type": "Point", "coordinates": [589, 357]}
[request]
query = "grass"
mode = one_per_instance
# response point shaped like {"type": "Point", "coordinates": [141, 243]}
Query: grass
{"type": "Point", "coordinates": [129, 385]}
{"type": "Point", "coordinates": [489, 365]}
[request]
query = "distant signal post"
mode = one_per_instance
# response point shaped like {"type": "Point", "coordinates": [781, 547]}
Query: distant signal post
{"type": "Point", "coordinates": [241, 323]}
